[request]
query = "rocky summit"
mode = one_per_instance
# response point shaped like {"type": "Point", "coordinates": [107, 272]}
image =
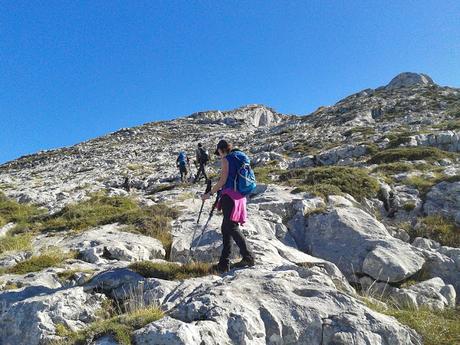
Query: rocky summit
{"type": "Point", "coordinates": [355, 227]}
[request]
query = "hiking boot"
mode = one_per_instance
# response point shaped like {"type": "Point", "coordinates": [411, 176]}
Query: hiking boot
{"type": "Point", "coordinates": [221, 268]}
{"type": "Point", "coordinates": [245, 262]}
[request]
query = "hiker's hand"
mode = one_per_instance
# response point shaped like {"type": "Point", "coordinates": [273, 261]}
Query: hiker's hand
{"type": "Point", "coordinates": [205, 196]}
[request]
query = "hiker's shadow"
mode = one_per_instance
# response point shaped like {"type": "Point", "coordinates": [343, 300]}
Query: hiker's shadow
{"type": "Point", "coordinates": [9, 297]}
{"type": "Point", "coordinates": [209, 237]}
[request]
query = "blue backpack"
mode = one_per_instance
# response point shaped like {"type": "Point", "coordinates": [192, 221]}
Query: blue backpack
{"type": "Point", "coordinates": [245, 180]}
{"type": "Point", "coordinates": [182, 158]}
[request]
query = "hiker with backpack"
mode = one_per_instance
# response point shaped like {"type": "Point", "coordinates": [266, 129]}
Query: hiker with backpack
{"type": "Point", "coordinates": [236, 181]}
{"type": "Point", "coordinates": [182, 162]}
{"type": "Point", "coordinates": [202, 157]}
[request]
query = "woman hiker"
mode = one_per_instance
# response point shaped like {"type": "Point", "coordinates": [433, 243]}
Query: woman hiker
{"type": "Point", "coordinates": [233, 206]}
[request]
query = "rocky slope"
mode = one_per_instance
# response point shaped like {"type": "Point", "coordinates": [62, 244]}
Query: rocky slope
{"type": "Point", "coordinates": [362, 197]}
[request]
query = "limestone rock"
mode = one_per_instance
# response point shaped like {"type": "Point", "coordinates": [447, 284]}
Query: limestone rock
{"type": "Point", "coordinates": [409, 79]}
{"type": "Point", "coordinates": [33, 321]}
{"type": "Point", "coordinates": [358, 244]}
{"type": "Point", "coordinates": [273, 306]}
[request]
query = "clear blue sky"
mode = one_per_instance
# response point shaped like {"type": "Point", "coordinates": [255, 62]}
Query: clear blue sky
{"type": "Point", "coordinates": [73, 70]}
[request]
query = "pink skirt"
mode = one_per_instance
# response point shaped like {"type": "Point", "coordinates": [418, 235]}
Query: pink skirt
{"type": "Point", "coordinates": [239, 213]}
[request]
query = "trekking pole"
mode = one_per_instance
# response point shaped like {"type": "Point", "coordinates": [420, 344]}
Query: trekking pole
{"type": "Point", "coordinates": [208, 189]}
{"type": "Point", "coordinates": [190, 170]}
{"type": "Point", "coordinates": [211, 213]}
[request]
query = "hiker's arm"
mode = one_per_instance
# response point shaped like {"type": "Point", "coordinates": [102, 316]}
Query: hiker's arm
{"type": "Point", "coordinates": [223, 177]}
{"type": "Point", "coordinates": [221, 182]}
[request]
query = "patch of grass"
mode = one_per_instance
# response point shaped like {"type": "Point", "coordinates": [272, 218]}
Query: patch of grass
{"type": "Point", "coordinates": [408, 206]}
{"type": "Point", "coordinates": [15, 243]}
{"type": "Point", "coordinates": [134, 167]}
{"type": "Point", "coordinates": [171, 271]}
{"type": "Point", "coordinates": [438, 228]}
{"type": "Point", "coordinates": [332, 179]}
{"type": "Point", "coordinates": [120, 326]}
{"type": "Point", "coordinates": [101, 209]}
{"type": "Point", "coordinates": [162, 188]}
{"type": "Point", "coordinates": [304, 148]}
{"type": "Point", "coordinates": [361, 130]}
{"type": "Point", "coordinates": [50, 258]}
{"type": "Point", "coordinates": [409, 154]}
{"type": "Point", "coordinates": [400, 167]}
{"type": "Point", "coordinates": [321, 189]}
{"type": "Point", "coordinates": [12, 211]}
{"type": "Point", "coordinates": [11, 286]}
{"type": "Point", "coordinates": [435, 327]}
{"type": "Point", "coordinates": [317, 210]}
{"type": "Point", "coordinates": [398, 139]}
{"type": "Point", "coordinates": [371, 148]}
{"type": "Point", "coordinates": [423, 184]}
{"type": "Point", "coordinates": [265, 173]}
{"type": "Point", "coordinates": [68, 275]}
{"type": "Point", "coordinates": [450, 125]}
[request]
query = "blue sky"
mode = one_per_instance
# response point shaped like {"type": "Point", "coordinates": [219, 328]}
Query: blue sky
{"type": "Point", "coordinates": [74, 70]}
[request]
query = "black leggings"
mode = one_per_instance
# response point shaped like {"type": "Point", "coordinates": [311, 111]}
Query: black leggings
{"type": "Point", "coordinates": [201, 170]}
{"type": "Point", "coordinates": [231, 230]}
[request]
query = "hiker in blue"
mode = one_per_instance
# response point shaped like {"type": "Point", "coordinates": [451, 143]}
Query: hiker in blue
{"type": "Point", "coordinates": [182, 162]}
{"type": "Point", "coordinates": [236, 181]}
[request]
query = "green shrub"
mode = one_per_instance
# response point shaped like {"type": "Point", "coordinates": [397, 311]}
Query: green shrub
{"type": "Point", "coordinates": [120, 326]}
{"type": "Point", "coordinates": [51, 258]}
{"type": "Point", "coordinates": [409, 154]}
{"type": "Point", "coordinates": [332, 179]}
{"type": "Point", "coordinates": [438, 228]}
{"type": "Point", "coordinates": [399, 167]}
{"type": "Point", "coordinates": [397, 139]}
{"type": "Point", "coordinates": [171, 271]}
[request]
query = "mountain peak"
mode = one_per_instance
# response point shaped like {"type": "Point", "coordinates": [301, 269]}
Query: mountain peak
{"type": "Point", "coordinates": [408, 79]}
{"type": "Point", "coordinates": [257, 115]}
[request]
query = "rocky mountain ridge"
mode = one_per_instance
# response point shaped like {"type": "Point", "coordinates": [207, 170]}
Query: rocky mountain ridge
{"type": "Point", "coordinates": [361, 198]}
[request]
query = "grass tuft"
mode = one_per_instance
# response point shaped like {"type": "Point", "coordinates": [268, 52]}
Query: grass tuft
{"type": "Point", "coordinates": [120, 326]}
{"type": "Point", "coordinates": [265, 173]}
{"type": "Point", "coordinates": [50, 258]}
{"type": "Point", "coordinates": [332, 180]}
{"type": "Point", "coordinates": [438, 228]}
{"type": "Point", "coordinates": [15, 243]}
{"type": "Point", "coordinates": [171, 271]}
{"type": "Point", "coordinates": [100, 209]}
{"type": "Point", "coordinates": [435, 327]}
{"type": "Point", "coordinates": [12, 211]}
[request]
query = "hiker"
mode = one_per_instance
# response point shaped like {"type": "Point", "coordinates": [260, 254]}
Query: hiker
{"type": "Point", "coordinates": [233, 205]}
{"type": "Point", "coordinates": [202, 157]}
{"type": "Point", "coordinates": [126, 184]}
{"type": "Point", "coordinates": [182, 162]}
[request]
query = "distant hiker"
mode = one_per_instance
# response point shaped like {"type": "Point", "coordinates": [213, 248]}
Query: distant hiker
{"type": "Point", "coordinates": [126, 184]}
{"type": "Point", "coordinates": [236, 181]}
{"type": "Point", "coordinates": [202, 157]}
{"type": "Point", "coordinates": [182, 162]}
